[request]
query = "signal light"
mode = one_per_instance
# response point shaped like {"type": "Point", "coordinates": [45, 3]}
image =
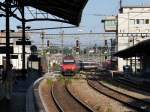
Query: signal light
{"type": "Point", "coordinates": [77, 43]}
{"type": "Point", "coordinates": [105, 42]}
{"type": "Point", "coordinates": [77, 46]}
{"type": "Point", "coordinates": [48, 43]}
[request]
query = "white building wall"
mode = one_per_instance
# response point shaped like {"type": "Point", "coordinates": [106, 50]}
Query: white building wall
{"type": "Point", "coordinates": [17, 63]}
{"type": "Point", "coordinates": [132, 20]}
{"type": "Point", "coordinates": [136, 9]}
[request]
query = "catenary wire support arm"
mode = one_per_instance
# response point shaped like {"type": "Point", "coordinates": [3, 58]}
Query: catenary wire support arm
{"type": "Point", "coordinates": [11, 14]}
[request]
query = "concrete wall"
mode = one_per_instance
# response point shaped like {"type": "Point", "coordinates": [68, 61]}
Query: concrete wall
{"type": "Point", "coordinates": [17, 63]}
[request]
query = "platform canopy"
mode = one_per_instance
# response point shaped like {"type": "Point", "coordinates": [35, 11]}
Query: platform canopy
{"type": "Point", "coordinates": [70, 10]}
{"type": "Point", "coordinates": [140, 49]}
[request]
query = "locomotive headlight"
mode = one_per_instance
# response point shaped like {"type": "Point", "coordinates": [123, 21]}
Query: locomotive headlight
{"type": "Point", "coordinates": [73, 68]}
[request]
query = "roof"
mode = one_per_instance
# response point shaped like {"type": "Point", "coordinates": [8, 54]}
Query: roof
{"type": "Point", "coordinates": [136, 6]}
{"type": "Point", "coordinates": [70, 10]}
{"type": "Point", "coordinates": [139, 49]}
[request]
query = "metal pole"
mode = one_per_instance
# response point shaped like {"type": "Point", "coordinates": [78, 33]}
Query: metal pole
{"type": "Point", "coordinates": [111, 52]}
{"type": "Point", "coordinates": [42, 37]}
{"type": "Point", "coordinates": [62, 43]}
{"type": "Point", "coordinates": [23, 39]}
{"type": "Point", "coordinates": [134, 57]}
{"type": "Point", "coordinates": [7, 35]}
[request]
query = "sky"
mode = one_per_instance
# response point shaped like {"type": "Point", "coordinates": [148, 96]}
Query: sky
{"type": "Point", "coordinates": [103, 8]}
{"type": "Point", "coordinates": [93, 13]}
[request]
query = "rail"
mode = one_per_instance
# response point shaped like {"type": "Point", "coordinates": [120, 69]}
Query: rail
{"type": "Point", "coordinates": [66, 98]}
{"type": "Point", "coordinates": [125, 99]}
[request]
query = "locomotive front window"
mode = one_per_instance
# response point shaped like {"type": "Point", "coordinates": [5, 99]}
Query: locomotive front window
{"type": "Point", "coordinates": [69, 61]}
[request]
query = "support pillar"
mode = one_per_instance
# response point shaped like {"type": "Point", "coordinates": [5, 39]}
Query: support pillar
{"type": "Point", "coordinates": [135, 65]}
{"type": "Point", "coordinates": [7, 35]}
{"type": "Point", "coordinates": [23, 40]}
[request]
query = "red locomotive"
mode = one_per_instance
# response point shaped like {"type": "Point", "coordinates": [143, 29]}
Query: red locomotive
{"type": "Point", "coordinates": [69, 66]}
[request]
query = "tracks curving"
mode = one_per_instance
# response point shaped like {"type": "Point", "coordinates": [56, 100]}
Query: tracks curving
{"type": "Point", "coordinates": [65, 101]}
{"type": "Point", "coordinates": [123, 98]}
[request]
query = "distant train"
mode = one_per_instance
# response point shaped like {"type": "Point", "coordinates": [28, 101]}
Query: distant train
{"type": "Point", "coordinates": [88, 65]}
{"type": "Point", "coordinates": [69, 66]}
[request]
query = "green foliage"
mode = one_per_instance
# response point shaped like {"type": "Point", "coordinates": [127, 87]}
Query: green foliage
{"type": "Point", "coordinates": [62, 79]}
{"type": "Point", "coordinates": [67, 51]}
{"type": "Point", "coordinates": [57, 67]}
{"type": "Point", "coordinates": [50, 82]}
{"type": "Point", "coordinates": [109, 109]}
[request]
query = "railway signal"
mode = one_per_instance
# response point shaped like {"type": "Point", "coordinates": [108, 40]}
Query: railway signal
{"type": "Point", "coordinates": [48, 43]}
{"type": "Point", "coordinates": [77, 46]}
{"type": "Point", "coordinates": [105, 42]}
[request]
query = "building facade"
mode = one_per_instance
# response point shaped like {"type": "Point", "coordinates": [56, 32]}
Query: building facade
{"type": "Point", "coordinates": [133, 27]}
{"type": "Point", "coordinates": [15, 49]}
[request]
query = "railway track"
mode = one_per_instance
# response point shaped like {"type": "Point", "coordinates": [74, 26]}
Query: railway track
{"type": "Point", "coordinates": [124, 82]}
{"type": "Point", "coordinates": [65, 101]}
{"type": "Point", "coordinates": [129, 101]}
{"type": "Point", "coordinates": [131, 84]}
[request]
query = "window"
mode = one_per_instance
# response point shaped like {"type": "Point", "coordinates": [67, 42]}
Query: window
{"type": "Point", "coordinates": [147, 21]}
{"type": "Point", "coordinates": [137, 21]}
{"type": "Point", "coordinates": [141, 21]}
{"type": "Point", "coordinates": [132, 21]}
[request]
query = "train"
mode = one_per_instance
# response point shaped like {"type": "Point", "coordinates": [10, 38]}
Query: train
{"type": "Point", "coordinates": [69, 66]}
{"type": "Point", "coordinates": [88, 65]}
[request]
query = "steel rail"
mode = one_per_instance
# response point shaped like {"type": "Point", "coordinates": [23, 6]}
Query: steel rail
{"type": "Point", "coordinates": [138, 104]}
{"type": "Point", "coordinates": [79, 100]}
{"type": "Point", "coordinates": [88, 109]}
{"type": "Point", "coordinates": [55, 100]}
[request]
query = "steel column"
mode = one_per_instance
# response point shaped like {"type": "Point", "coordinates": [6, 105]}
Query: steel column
{"type": "Point", "coordinates": [7, 35]}
{"type": "Point", "coordinates": [23, 38]}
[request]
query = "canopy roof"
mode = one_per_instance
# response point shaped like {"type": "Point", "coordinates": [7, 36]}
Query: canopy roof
{"type": "Point", "coordinates": [140, 49]}
{"type": "Point", "coordinates": [70, 10]}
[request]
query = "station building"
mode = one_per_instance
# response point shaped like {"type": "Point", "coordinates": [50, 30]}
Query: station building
{"type": "Point", "coordinates": [131, 25]}
{"type": "Point", "coordinates": [140, 50]}
{"type": "Point", "coordinates": [15, 49]}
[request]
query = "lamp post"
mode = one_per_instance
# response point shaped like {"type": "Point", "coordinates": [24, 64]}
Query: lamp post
{"type": "Point", "coordinates": [111, 49]}
{"type": "Point", "coordinates": [42, 37]}
{"type": "Point", "coordinates": [62, 42]}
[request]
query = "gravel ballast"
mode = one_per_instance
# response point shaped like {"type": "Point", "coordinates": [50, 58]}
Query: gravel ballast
{"type": "Point", "coordinates": [96, 100]}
